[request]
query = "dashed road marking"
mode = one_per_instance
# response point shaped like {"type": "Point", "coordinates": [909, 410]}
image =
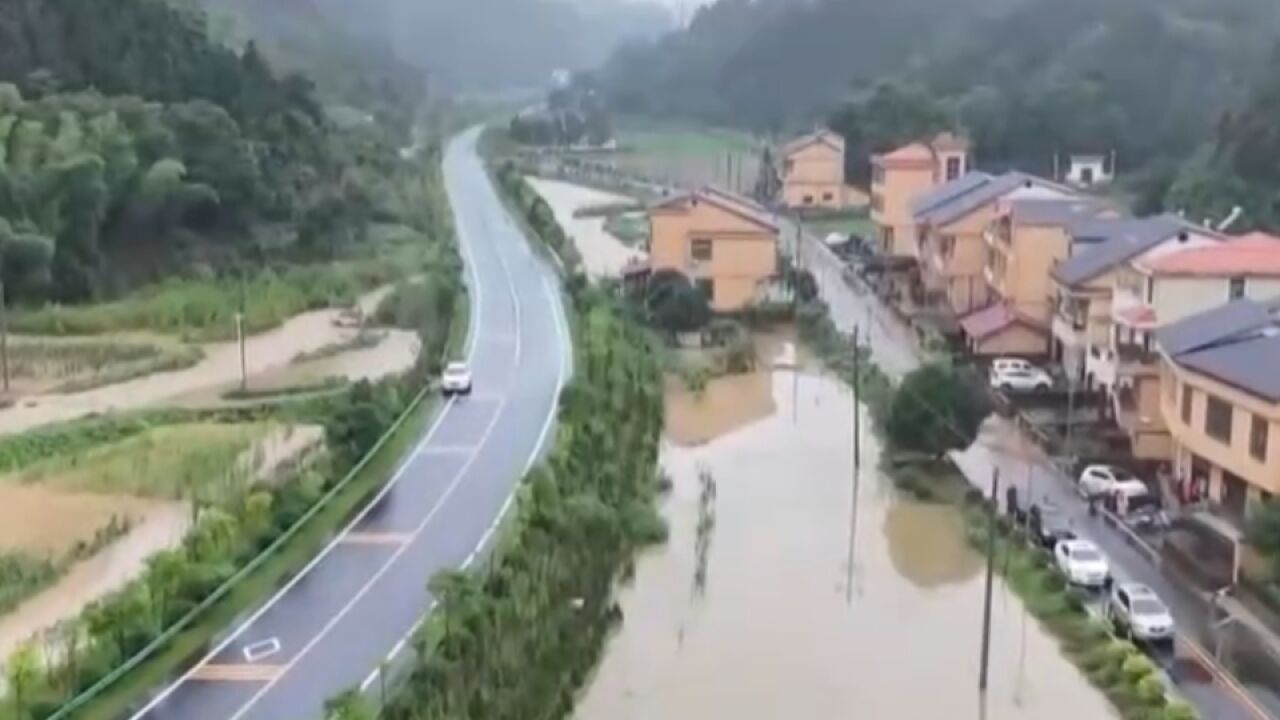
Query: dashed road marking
{"type": "Point", "coordinates": [261, 650]}
{"type": "Point", "coordinates": [376, 538]}
{"type": "Point", "coordinates": [447, 450]}
{"type": "Point", "coordinates": [223, 672]}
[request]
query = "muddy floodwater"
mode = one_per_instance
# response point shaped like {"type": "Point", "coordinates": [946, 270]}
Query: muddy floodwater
{"type": "Point", "coordinates": [603, 255]}
{"type": "Point", "coordinates": [784, 625]}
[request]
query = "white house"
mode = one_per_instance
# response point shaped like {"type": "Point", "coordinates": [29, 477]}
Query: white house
{"type": "Point", "coordinates": [1087, 170]}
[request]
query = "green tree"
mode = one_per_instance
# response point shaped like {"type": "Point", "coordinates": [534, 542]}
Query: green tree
{"type": "Point", "coordinates": [936, 408]}
{"type": "Point", "coordinates": [349, 705]}
{"type": "Point", "coordinates": [1264, 532]}
{"type": "Point", "coordinates": [21, 672]}
{"type": "Point", "coordinates": [674, 304]}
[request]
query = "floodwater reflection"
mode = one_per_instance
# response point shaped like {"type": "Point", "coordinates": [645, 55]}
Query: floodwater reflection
{"type": "Point", "coordinates": [775, 634]}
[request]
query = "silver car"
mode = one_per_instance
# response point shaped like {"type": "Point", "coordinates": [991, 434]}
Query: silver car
{"type": "Point", "coordinates": [1137, 611]}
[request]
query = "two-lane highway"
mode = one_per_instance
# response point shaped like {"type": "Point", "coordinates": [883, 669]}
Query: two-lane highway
{"type": "Point", "coordinates": [355, 605]}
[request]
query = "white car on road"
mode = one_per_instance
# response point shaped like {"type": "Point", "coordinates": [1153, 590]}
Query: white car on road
{"type": "Point", "coordinates": [1103, 480]}
{"type": "Point", "coordinates": [456, 379]}
{"type": "Point", "coordinates": [1082, 562]}
{"type": "Point", "coordinates": [1020, 379]}
{"type": "Point", "coordinates": [1137, 611]}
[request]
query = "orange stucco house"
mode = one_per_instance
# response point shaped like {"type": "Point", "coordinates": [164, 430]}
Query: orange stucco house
{"type": "Point", "coordinates": [726, 244]}
{"type": "Point", "coordinates": [900, 177]}
{"type": "Point", "coordinates": [813, 174]}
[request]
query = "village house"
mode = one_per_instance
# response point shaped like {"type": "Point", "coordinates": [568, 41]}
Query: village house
{"type": "Point", "coordinates": [1157, 289]}
{"type": "Point", "coordinates": [951, 222]}
{"type": "Point", "coordinates": [899, 177]}
{"type": "Point", "coordinates": [724, 243]}
{"type": "Point", "coordinates": [1025, 239]}
{"type": "Point", "coordinates": [1220, 399]}
{"type": "Point", "coordinates": [813, 174]}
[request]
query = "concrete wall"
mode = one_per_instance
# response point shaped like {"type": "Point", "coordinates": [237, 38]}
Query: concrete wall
{"type": "Point", "coordinates": [894, 195]}
{"type": "Point", "coordinates": [1016, 340]}
{"type": "Point", "coordinates": [1028, 284]}
{"type": "Point", "coordinates": [814, 177]}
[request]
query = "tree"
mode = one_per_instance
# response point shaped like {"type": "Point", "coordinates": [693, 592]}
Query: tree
{"type": "Point", "coordinates": [1264, 532]}
{"type": "Point", "coordinates": [22, 670]}
{"type": "Point", "coordinates": [350, 705]}
{"type": "Point", "coordinates": [936, 408]}
{"type": "Point", "coordinates": [674, 304]}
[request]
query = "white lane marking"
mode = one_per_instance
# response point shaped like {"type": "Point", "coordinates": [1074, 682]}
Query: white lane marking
{"type": "Point", "coordinates": [447, 450]}
{"type": "Point", "coordinates": [418, 530]}
{"type": "Point", "coordinates": [261, 650]}
{"type": "Point", "coordinates": [473, 333]}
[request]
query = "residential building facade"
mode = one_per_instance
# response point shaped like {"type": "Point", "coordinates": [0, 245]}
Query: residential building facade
{"type": "Point", "coordinates": [899, 177]}
{"type": "Point", "coordinates": [1220, 400]}
{"type": "Point", "coordinates": [813, 174]}
{"type": "Point", "coordinates": [725, 244]}
{"type": "Point", "coordinates": [951, 224]}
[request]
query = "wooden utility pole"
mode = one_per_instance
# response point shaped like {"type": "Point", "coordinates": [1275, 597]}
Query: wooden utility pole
{"type": "Point", "coordinates": [240, 333]}
{"type": "Point", "coordinates": [4, 337]}
{"type": "Point", "coordinates": [985, 656]}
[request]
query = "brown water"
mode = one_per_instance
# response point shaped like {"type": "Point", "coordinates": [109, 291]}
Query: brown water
{"type": "Point", "coordinates": [603, 255]}
{"type": "Point", "coordinates": [155, 527]}
{"type": "Point", "coordinates": [787, 628]}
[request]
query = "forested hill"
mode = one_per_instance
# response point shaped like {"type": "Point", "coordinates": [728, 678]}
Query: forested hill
{"type": "Point", "coordinates": [1146, 78]}
{"type": "Point", "coordinates": [132, 145]}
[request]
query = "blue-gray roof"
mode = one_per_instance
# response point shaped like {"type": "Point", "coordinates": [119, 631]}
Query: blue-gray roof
{"type": "Point", "coordinates": [1107, 242]}
{"type": "Point", "coordinates": [966, 196]}
{"type": "Point", "coordinates": [1237, 343]}
{"type": "Point", "coordinates": [948, 191]}
{"type": "Point", "coordinates": [1059, 211]}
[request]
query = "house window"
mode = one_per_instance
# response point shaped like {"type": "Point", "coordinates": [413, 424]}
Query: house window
{"type": "Point", "coordinates": [1217, 419]}
{"type": "Point", "coordinates": [1235, 290]}
{"type": "Point", "coordinates": [886, 239]}
{"type": "Point", "coordinates": [877, 203]}
{"type": "Point", "coordinates": [808, 199]}
{"type": "Point", "coordinates": [708, 287]}
{"type": "Point", "coordinates": [953, 168]}
{"type": "Point", "coordinates": [1258, 438]}
{"type": "Point", "coordinates": [700, 249]}
{"type": "Point", "coordinates": [827, 197]}
{"type": "Point", "coordinates": [1186, 404]}
{"type": "Point", "coordinates": [947, 246]}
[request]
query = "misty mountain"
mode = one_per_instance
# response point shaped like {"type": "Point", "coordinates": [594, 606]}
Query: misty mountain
{"type": "Point", "coordinates": [1148, 78]}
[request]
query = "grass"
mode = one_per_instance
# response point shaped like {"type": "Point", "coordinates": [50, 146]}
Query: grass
{"type": "Point", "coordinates": [76, 365]}
{"type": "Point", "coordinates": [172, 462]}
{"type": "Point", "coordinates": [186, 647]}
{"type": "Point", "coordinates": [672, 139]}
{"type": "Point", "coordinates": [205, 310]}
{"type": "Point", "coordinates": [844, 224]}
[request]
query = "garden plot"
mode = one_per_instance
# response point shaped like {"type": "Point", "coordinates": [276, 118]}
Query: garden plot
{"type": "Point", "coordinates": [118, 504]}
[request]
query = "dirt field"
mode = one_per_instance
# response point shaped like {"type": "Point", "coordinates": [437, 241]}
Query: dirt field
{"type": "Point", "coordinates": [265, 354]}
{"type": "Point", "coordinates": [78, 517]}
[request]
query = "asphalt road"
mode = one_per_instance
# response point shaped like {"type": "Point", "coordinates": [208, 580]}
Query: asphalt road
{"type": "Point", "coordinates": [1251, 692]}
{"type": "Point", "coordinates": [352, 609]}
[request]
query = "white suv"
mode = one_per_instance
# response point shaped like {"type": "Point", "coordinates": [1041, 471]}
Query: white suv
{"type": "Point", "coordinates": [1020, 379]}
{"type": "Point", "coordinates": [456, 379]}
{"type": "Point", "coordinates": [1098, 480]}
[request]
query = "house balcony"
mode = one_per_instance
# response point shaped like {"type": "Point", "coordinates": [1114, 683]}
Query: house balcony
{"type": "Point", "coordinates": [1133, 360]}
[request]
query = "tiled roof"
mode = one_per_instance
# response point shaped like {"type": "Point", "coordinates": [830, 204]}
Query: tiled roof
{"type": "Point", "coordinates": [948, 191]}
{"type": "Point", "coordinates": [1115, 241]}
{"type": "Point", "coordinates": [731, 202]}
{"type": "Point", "coordinates": [1059, 211]}
{"type": "Point", "coordinates": [1237, 343]}
{"type": "Point", "coordinates": [991, 320]}
{"type": "Point", "coordinates": [976, 195]}
{"type": "Point", "coordinates": [1256, 254]}
{"type": "Point", "coordinates": [827, 137]}
{"type": "Point", "coordinates": [912, 152]}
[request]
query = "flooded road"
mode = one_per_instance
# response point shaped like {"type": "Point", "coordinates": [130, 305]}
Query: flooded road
{"type": "Point", "coordinates": [785, 627]}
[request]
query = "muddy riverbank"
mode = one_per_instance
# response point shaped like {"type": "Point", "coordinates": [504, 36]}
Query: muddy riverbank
{"type": "Point", "coordinates": [786, 625]}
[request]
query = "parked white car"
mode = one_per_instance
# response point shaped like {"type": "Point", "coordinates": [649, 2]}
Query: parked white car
{"type": "Point", "coordinates": [1082, 562]}
{"type": "Point", "coordinates": [1098, 480]}
{"type": "Point", "coordinates": [1137, 611]}
{"type": "Point", "coordinates": [1021, 380]}
{"type": "Point", "coordinates": [1004, 364]}
{"type": "Point", "coordinates": [456, 379]}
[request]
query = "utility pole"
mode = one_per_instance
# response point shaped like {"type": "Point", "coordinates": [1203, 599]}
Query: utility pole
{"type": "Point", "coordinates": [797, 267]}
{"type": "Point", "coordinates": [4, 337]}
{"type": "Point", "coordinates": [857, 470]}
{"type": "Point", "coordinates": [240, 332]}
{"type": "Point", "coordinates": [985, 657]}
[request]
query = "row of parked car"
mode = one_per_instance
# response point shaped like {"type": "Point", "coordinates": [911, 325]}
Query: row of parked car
{"type": "Point", "coordinates": [1134, 609]}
